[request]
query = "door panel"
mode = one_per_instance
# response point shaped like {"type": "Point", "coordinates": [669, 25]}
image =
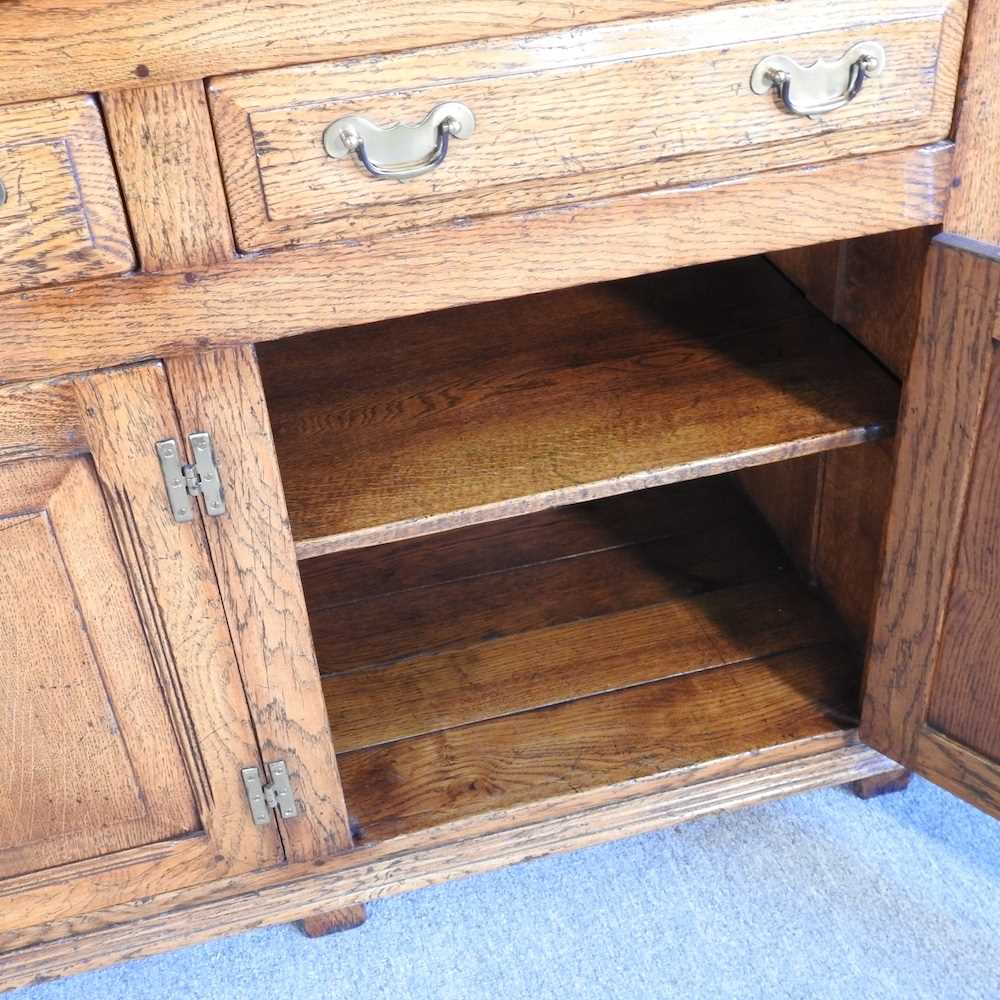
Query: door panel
{"type": "Point", "coordinates": [932, 691]}
{"type": "Point", "coordinates": [83, 721]}
{"type": "Point", "coordinates": [124, 722]}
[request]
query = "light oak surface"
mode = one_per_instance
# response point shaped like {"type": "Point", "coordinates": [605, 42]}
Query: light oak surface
{"type": "Point", "coordinates": [91, 765]}
{"type": "Point", "coordinates": [285, 293]}
{"type": "Point", "coordinates": [62, 219]}
{"type": "Point", "coordinates": [165, 154]}
{"type": "Point", "coordinates": [458, 850]}
{"type": "Point", "coordinates": [941, 420]}
{"type": "Point", "coordinates": [628, 94]}
{"type": "Point", "coordinates": [499, 410]}
{"type": "Point", "coordinates": [142, 594]}
{"type": "Point", "coordinates": [254, 561]}
{"type": "Point", "coordinates": [49, 47]}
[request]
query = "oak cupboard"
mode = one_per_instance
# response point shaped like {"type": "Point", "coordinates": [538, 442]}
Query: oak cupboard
{"type": "Point", "coordinates": [359, 535]}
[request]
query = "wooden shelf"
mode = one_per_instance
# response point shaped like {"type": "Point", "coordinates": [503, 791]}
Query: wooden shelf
{"type": "Point", "coordinates": [404, 428]}
{"type": "Point", "coordinates": [565, 651]}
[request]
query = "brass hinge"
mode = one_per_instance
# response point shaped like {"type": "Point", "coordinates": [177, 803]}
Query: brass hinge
{"type": "Point", "coordinates": [277, 794]}
{"type": "Point", "coordinates": [185, 483]}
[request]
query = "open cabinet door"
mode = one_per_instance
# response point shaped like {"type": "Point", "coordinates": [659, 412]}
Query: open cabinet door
{"type": "Point", "coordinates": [124, 722]}
{"type": "Point", "coordinates": [932, 691]}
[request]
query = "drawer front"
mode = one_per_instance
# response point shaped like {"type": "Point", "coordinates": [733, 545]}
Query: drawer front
{"type": "Point", "coordinates": [61, 217]}
{"type": "Point", "coordinates": [567, 116]}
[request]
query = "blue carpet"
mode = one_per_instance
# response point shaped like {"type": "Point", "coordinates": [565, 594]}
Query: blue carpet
{"type": "Point", "coordinates": [823, 896]}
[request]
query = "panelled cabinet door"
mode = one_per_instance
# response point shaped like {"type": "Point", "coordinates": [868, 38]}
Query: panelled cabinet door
{"type": "Point", "coordinates": [932, 692]}
{"type": "Point", "coordinates": [123, 720]}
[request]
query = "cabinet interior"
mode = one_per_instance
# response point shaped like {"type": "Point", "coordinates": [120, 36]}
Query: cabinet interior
{"type": "Point", "coordinates": [532, 564]}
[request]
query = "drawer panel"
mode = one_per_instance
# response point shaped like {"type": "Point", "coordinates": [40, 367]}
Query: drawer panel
{"type": "Point", "coordinates": [62, 217]}
{"type": "Point", "coordinates": [570, 115]}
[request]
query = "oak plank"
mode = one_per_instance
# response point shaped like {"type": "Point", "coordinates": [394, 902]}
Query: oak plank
{"type": "Point", "coordinates": [974, 205]}
{"type": "Point", "coordinates": [967, 774]}
{"type": "Point", "coordinates": [941, 409]}
{"type": "Point", "coordinates": [964, 701]}
{"type": "Point", "coordinates": [573, 531]}
{"type": "Point", "coordinates": [623, 736]}
{"type": "Point", "coordinates": [169, 169]}
{"type": "Point", "coordinates": [480, 415]}
{"type": "Point", "coordinates": [430, 857]}
{"type": "Point", "coordinates": [48, 48]}
{"type": "Point", "coordinates": [536, 668]}
{"type": "Point", "coordinates": [254, 560]}
{"type": "Point", "coordinates": [124, 413]}
{"type": "Point", "coordinates": [281, 294]}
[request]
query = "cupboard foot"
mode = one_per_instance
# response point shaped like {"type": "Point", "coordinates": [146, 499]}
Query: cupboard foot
{"type": "Point", "coordinates": [882, 784]}
{"type": "Point", "coordinates": [344, 919]}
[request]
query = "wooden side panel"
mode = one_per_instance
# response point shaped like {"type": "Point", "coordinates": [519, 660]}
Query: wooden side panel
{"type": "Point", "coordinates": [965, 697]}
{"type": "Point", "coordinates": [974, 206]}
{"type": "Point", "coordinates": [91, 764]}
{"type": "Point", "coordinates": [871, 286]}
{"type": "Point", "coordinates": [854, 503]}
{"type": "Point", "coordinates": [281, 294]}
{"type": "Point", "coordinates": [255, 560]}
{"type": "Point", "coordinates": [165, 152]}
{"type": "Point", "coordinates": [940, 419]}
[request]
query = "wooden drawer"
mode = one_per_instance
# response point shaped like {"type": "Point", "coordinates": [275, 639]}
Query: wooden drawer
{"type": "Point", "coordinates": [62, 217]}
{"type": "Point", "coordinates": [572, 115]}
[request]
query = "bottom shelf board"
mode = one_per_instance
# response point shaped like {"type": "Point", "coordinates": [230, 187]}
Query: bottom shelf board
{"type": "Point", "coordinates": [568, 651]}
{"type": "Point", "coordinates": [588, 744]}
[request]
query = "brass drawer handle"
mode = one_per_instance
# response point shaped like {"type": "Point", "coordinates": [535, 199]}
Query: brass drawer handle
{"type": "Point", "coordinates": [399, 152]}
{"type": "Point", "coordinates": [824, 86]}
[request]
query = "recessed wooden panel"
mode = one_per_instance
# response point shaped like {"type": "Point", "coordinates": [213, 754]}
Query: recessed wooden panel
{"type": "Point", "coordinates": [965, 692]}
{"type": "Point", "coordinates": [444, 420]}
{"type": "Point", "coordinates": [629, 96]}
{"type": "Point", "coordinates": [62, 219]}
{"type": "Point", "coordinates": [91, 763]}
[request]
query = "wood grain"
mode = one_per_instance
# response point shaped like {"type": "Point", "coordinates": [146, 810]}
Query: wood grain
{"type": "Point", "coordinates": [383, 572]}
{"type": "Point", "coordinates": [488, 412]}
{"type": "Point", "coordinates": [966, 774]}
{"type": "Point", "coordinates": [91, 764]}
{"type": "Point", "coordinates": [48, 47]}
{"type": "Point", "coordinates": [603, 740]}
{"type": "Point", "coordinates": [165, 153]}
{"type": "Point", "coordinates": [254, 560]}
{"type": "Point", "coordinates": [694, 552]}
{"type": "Point", "coordinates": [882, 784]}
{"type": "Point", "coordinates": [965, 694]}
{"type": "Point", "coordinates": [879, 294]}
{"type": "Point", "coordinates": [869, 285]}
{"type": "Point", "coordinates": [853, 506]}
{"type": "Point", "coordinates": [285, 189]}
{"type": "Point", "coordinates": [533, 669]}
{"type": "Point", "coordinates": [788, 495]}
{"type": "Point", "coordinates": [39, 419]}
{"type": "Point", "coordinates": [974, 205]}
{"type": "Point", "coordinates": [281, 294]}
{"type": "Point", "coordinates": [940, 415]}
{"type": "Point", "coordinates": [62, 219]}
{"type": "Point", "coordinates": [460, 850]}
{"type": "Point", "coordinates": [173, 587]}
